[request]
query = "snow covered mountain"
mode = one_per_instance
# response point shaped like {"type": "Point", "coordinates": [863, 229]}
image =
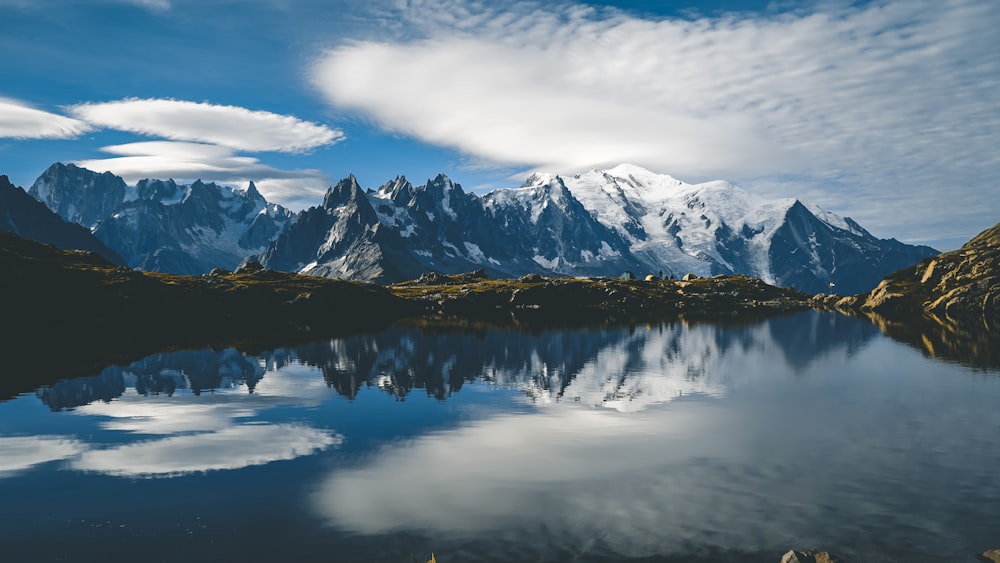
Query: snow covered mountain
{"type": "Point", "coordinates": [602, 222]}
{"type": "Point", "coordinates": [400, 231]}
{"type": "Point", "coordinates": [717, 228]}
{"type": "Point", "coordinates": [161, 225]}
{"type": "Point", "coordinates": [598, 223]}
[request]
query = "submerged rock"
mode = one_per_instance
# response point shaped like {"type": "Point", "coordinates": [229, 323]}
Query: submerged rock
{"type": "Point", "coordinates": [990, 556]}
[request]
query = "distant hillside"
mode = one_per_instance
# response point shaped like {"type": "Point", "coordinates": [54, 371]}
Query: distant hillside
{"type": "Point", "coordinates": [23, 215]}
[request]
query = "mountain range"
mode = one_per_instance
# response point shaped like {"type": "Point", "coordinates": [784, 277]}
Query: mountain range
{"type": "Point", "coordinates": [603, 222]}
{"type": "Point", "coordinates": [163, 226]}
{"type": "Point", "coordinates": [598, 223]}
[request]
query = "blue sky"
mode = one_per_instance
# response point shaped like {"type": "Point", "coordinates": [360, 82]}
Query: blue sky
{"type": "Point", "coordinates": [884, 111]}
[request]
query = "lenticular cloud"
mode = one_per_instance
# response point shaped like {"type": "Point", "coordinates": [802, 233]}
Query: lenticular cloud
{"type": "Point", "coordinates": [21, 121]}
{"type": "Point", "coordinates": [229, 126]}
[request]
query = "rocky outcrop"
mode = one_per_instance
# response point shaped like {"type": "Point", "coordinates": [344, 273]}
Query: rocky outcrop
{"type": "Point", "coordinates": [959, 290]}
{"type": "Point", "coordinates": [990, 556]}
{"type": "Point", "coordinates": [809, 556]}
{"type": "Point", "coordinates": [947, 306]}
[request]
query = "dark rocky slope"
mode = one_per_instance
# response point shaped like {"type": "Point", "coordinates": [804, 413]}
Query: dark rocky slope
{"type": "Point", "coordinates": [23, 215]}
{"type": "Point", "coordinates": [69, 311]}
{"type": "Point", "coordinates": [559, 301]}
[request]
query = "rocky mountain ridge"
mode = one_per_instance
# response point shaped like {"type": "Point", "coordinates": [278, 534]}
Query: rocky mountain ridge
{"type": "Point", "coordinates": [163, 226]}
{"type": "Point", "coordinates": [601, 223]}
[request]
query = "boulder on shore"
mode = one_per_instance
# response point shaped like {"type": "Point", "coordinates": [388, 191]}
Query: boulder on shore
{"type": "Point", "coordinates": [809, 556]}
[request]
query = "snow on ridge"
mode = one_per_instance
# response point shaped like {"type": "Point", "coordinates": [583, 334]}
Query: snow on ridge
{"type": "Point", "coordinates": [830, 218]}
{"type": "Point", "coordinates": [532, 196]}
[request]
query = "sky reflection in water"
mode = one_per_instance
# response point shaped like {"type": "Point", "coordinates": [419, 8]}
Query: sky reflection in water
{"type": "Point", "coordinates": [670, 440]}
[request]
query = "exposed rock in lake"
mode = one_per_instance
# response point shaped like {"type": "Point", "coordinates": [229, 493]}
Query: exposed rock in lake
{"type": "Point", "coordinates": [809, 556]}
{"type": "Point", "coordinates": [990, 556]}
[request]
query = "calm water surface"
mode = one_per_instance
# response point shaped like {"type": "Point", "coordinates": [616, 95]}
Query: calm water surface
{"type": "Point", "coordinates": [669, 442]}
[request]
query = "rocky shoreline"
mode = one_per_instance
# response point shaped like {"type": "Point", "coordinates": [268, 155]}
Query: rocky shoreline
{"type": "Point", "coordinates": [816, 556]}
{"type": "Point", "coordinates": [473, 296]}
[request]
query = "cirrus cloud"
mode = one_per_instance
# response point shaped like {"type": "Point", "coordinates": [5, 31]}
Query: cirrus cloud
{"type": "Point", "coordinates": [19, 120]}
{"type": "Point", "coordinates": [229, 126]}
{"type": "Point", "coordinates": [875, 103]}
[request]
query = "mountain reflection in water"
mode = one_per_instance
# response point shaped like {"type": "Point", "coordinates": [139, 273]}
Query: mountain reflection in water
{"type": "Point", "coordinates": [609, 366]}
{"type": "Point", "coordinates": [668, 442]}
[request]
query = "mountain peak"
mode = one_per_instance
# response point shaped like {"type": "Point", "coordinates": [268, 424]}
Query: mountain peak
{"type": "Point", "coordinates": [78, 195]}
{"type": "Point", "coordinates": [539, 179]}
{"type": "Point", "coordinates": [394, 189]}
{"type": "Point", "coordinates": [442, 181]}
{"type": "Point", "coordinates": [252, 193]}
{"type": "Point", "coordinates": [346, 190]}
{"type": "Point", "coordinates": [625, 169]}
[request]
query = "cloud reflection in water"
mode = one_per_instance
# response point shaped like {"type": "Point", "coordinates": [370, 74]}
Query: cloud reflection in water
{"type": "Point", "coordinates": [847, 449]}
{"type": "Point", "coordinates": [18, 453]}
{"type": "Point", "coordinates": [231, 447]}
{"type": "Point", "coordinates": [196, 428]}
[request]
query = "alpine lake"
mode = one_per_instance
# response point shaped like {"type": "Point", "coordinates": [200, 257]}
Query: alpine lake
{"type": "Point", "coordinates": [672, 442]}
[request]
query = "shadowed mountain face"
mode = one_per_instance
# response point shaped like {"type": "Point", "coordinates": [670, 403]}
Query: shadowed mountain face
{"type": "Point", "coordinates": [163, 226]}
{"type": "Point", "coordinates": [25, 216]}
{"type": "Point", "coordinates": [98, 312]}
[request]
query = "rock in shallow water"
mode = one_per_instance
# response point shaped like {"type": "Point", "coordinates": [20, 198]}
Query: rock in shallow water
{"type": "Point", "coordinates": [809, 556]}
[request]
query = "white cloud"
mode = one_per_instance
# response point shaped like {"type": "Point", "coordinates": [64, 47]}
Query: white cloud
{"type": "Point", "coordinates": [886, 102]}
{"type": "Point", "coordinates": [191, 161]}
{"type": "Point", "coordinates": [21, 121]}
{"type": "Point", "coordinates": [154, 5]}
{"type": "Point", "coordinates": [229, 126]}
